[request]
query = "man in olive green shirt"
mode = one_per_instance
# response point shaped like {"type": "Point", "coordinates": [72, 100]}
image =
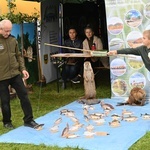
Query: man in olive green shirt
{"type": "Point", "coordinates": [11, 69]}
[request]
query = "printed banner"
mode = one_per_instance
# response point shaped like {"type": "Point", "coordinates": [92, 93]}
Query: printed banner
{"type": "Point", "coordinates": [26, 37]}
{"type": "Point", "coordinates": [126, 21]}
{"type": "Point", "coordinates": [49, 34]}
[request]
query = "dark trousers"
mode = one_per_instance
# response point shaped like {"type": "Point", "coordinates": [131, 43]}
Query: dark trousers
{"type": "Point", "coordinates": [69, 72]}
{"type": "Point", "coordinates": [17, 83]}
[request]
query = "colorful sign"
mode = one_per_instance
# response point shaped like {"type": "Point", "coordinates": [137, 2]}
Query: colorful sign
{"type": "Point", "coordinates": [50, 34]}
{"type": "Point", "coordinates": [126, 20]}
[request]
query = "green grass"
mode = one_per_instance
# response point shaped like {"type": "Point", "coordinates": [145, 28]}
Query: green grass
{"type": "Point", "coordinates": [47, 99]}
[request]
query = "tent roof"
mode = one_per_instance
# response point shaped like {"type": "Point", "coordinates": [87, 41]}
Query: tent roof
{"type": "Point", "coordinates": [65, 1]}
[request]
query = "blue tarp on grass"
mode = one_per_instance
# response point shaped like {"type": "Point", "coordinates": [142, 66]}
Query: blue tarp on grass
{"type": "Point", "coordinates": [119, 138]}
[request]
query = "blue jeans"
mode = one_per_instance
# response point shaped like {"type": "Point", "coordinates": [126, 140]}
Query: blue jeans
{"type": "Point", "coordinates": [17, 83]}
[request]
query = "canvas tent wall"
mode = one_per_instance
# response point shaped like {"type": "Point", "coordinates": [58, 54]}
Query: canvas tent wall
{"type": "Point", "coordinates": [54, 27]}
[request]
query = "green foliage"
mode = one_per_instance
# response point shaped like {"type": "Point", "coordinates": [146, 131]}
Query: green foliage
{"type": "Point", "coordinates": [33, 147]}
{"type": "Point", "coordinates": [18, 17]}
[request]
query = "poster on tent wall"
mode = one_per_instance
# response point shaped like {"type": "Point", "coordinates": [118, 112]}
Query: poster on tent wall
{"type": "Point", "coordinates": [126, 20]}
{"type": "Point", "coordinates": [49, 34]}
{"type": "Point", "coordinates": [27, 32]}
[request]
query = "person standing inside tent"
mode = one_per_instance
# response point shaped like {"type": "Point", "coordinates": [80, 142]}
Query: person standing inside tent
{"type": "Point", "coordinates": [72, 66]}
{"type": "Point", "coordinates": [11, 68]}
{"type": "Point", "coordinates": [92, 42]}
{"type": "Point", "coordinates": [143, 51]}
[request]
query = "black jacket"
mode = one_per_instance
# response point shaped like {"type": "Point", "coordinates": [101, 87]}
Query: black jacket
{"type": "Point", "coordinates": [75, 44]}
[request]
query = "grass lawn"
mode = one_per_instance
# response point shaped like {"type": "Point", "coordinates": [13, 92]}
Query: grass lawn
{"type": "Point", "coordinates": [47, 99]}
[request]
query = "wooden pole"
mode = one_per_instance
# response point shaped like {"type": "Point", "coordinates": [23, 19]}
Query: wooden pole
{"type": "Point", "coordinates": [37, 50]}
{"type": "Point", "coordinates": [59, 46]}
{"type": "Point", "coordinates": [85, 50]}
{"type": "Point", "coordinates": [22, 38]}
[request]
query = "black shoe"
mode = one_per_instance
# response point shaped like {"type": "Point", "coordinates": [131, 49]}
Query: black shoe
{"type": "Point", "coordinates": [8, 126]}
{"type": "Point", "coordinates": [31, 124]}
{"type": "Point", "coordinates": [76, 79]}
{"type": "Point", "coordinates": [64, 85]}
